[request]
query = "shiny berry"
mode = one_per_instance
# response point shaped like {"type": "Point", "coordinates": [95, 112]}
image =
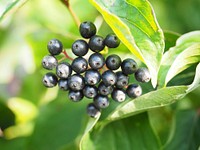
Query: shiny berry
{"type": "Point", "coordinates": [49, 62]}
{"type": "Point", "coordinates": [76, 82]}
{"type": "Point", "coordinates": [104, 90]}
{"type": "Point", "coordinates": [50, 80]}
{"type": "Point", "coordinates": [79, 65]}
{"type": "Point", "coordinates": [129, 66]}
{"type": "Point", "coordinates": [96, 61]}
{"type": "Point", "coordinates": [63, 84]}
{"type": "Point", "coordinates": [92, 77]}
{"type": "Point", "coordinates": [80, 47]}
{"type": "Point", "coordinates": [113, 62]}
{"type": "Point", "coordinates": [101, 101]}
{"type": "Point", "coordinates": [142, 75]}
{"type": "Point", "coordinates": [87, 29]}
{"type": "Point", "coordinates": [109, 78]}
{"type": "Point", "coordinates": [122, 80]}
{"type": "Point", "coordinates": [93, 111]}
{"type": "Point", "coordinates": [118, 95]}
{"type": "Point", "coordinates": [63, 70]}
{"type": "Point", "coordinates": [90, 91]}
{"type": "Point", "coordinates": [112, 41]}
{"type": "Point", "coordinates": [96, 43]}
{"type": "Point", "coordinates": [134, 90]}
{"type": "Point", "coordinates": [55, 47]}
{"type": "Point", "coordinates": [75, 96]}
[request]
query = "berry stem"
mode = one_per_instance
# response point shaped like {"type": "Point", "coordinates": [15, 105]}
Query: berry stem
{"type": "Point", "coordinates": [67, 56]}
{"type": "Point", "coordinates": [74, 16]}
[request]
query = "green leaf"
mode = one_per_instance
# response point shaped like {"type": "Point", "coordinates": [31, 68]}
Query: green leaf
{"type": "Point", "coordinates": [58, 124]}
{"type": "Point", "coordinates": [178, 58]}
{"type": "Point", "coordinates": [170, 39]}
{"type": "Point", "coordinates": [10, 6]}
{"type": "Point", "coordinates": [196, 81]}
{"type": "Point", "coordinates": [185, 134]}
{"type": "Point", "coordinates": [14, 144]}
{"type": "Point", "coordinates": [85, 142]}
{"type": "Point", "coordinates": [135, 24]}
{"type": "Point", "coordinates": [128, 134]}
{"type": "Point", "coordinates": [154, 99]}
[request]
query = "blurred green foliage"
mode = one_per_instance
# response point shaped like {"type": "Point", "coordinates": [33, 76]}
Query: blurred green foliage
{"type": "Point", "coordinates": [33, 117]}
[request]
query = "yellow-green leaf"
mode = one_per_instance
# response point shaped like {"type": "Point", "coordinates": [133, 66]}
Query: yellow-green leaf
{"type": "Point", "coordinates": [134, 22]}
{"type": "Point", "coordinates": [180, 57]}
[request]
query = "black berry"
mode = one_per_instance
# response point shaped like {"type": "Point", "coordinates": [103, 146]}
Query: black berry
{"type": "Point", "coordinates": [96, 61]}
{"type": "Point", "coordinates": [105, 90]}
{"type": "Point", "coordinates": [49, 62]}
{"type": "Point", "coordinates": [92, 77]}
{"type": "Point", "coordinates": [75, 96]}
{"type": "Point", "coordinates": [50, 80]}
{"type": "Point", "coordinates": [112, 41]}
{"type": "Point", "coordinates": [122, 80]}
{"type": "Point", "coordinates": [142, 75]}
{"type": "Point", "coordinates": [129, 66]}
{"type": "Point", "coordinates": [118, 95]}
{"type": "Point", "coordinates": [80, 47]}
{"type": "Point", "coordinates": [63, 70]}
{"type": "Point", "coordinates": [63, 84]}
{"type": "Point", "coordinates": [109, 78]}
{"type": "Point", "coordinates": [101, 101]}
{"type": "Point", "coordinates": [55, 47]}
{"type": "Point", "coordinates": [134, 90]}
{"type": "Point", "coordinates": [87, 29]}
{"type": "Point", "coordinates": [93, 111]}
{"type": "Point", "coordinates": [96, 43]}
{"type": "Point", "coordinates": [79, 65]}
{"type": "Point", "coordinates": [113, 62]}
{"type": "Point", "coordinates": [90, 91]}
{"type": "Point", "coordinates": [76, 82]}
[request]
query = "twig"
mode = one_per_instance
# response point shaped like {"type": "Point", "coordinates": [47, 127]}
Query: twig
{"type": "Point", "coordinates": [74, 16]}
{"type": "Point", "coordinates": [67, 56]}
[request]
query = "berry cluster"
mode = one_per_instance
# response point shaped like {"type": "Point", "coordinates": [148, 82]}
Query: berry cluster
{"type": "Point", "coordinates": [96, 77]}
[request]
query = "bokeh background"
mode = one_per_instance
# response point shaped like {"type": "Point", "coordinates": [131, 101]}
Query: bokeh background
{"type": "Point", "coordinates": [29, 111]}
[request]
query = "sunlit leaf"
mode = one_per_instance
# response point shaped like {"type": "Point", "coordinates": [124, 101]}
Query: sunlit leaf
{"type": "Point", "coordinates": [178, 58]}
{"type": "Point", "coordinates": [10, 6]}
{"type": "Point", "coordinates": [196, 81]}
{"type": "Point", "coordinates": [158, 98]}
{"type": "Point", "coordinates": [85, 142]}
{"type": "Point", "coordinates": [136, 26]}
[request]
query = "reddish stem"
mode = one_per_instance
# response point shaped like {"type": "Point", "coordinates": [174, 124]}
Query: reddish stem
{"type": "Point", "coordinates": [67, 56]}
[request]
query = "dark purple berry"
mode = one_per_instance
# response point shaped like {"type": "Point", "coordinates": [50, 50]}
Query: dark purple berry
{"type": "Point", "coordinates": [129, 66]}
{"type": "Point", "coordinates": [75, 96]}
{"type": "Point", "coordinates": [87, 29]}
{"type": "Point", "coordinates": [112, 41]}
{"type": "Point", "coordinates": [50, 80]}
{"type": "Point", "coordinates": [80, 47]}
{"type": "Point", "coordinates": [142, 75]}
{"type": "Point", "coordinates": [113, 62]}
{"type": "Point", "coordinates": [76, 82]}
{"type": "Point", "coordinates": [101, 101]}
{"type": "Point", "coordinates": [96, 61]}
{"type": "Point", "coordinates": [93, 111]}
{"type": "Point", "coordinates": [96, 43]}
{"type": "Point", "coordinates": [92, 77]}
{"type": "Point", "coordinates": [63, 70]}
{"type": "Point", "coordinates": [79, 65]}
{"type": "Point", "coordinates": [134, 90]}
{"type": "Point", "coordinates": [55, 47]}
